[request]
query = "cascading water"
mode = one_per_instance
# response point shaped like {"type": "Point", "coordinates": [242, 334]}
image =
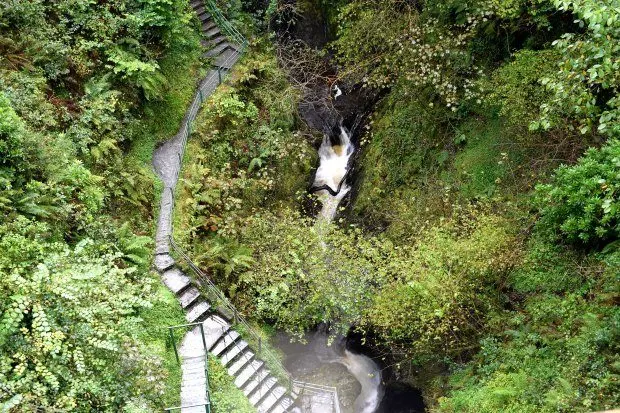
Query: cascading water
{"type": "Point", "coordinates": [334, 163]}
{"type": "Point", "coordinates": [366, 371]}
{"type": "Point", "coordinates": [331, 176]}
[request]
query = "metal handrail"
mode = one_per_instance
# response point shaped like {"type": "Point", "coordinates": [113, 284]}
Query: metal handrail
{"type": "Point", "coordinates": [230, 30]}
{"type": "Point", "coordinates": [171, 329]}
{"type": "Point", "coordinates": [235, 316]}
{"type": "Point", "coordinates": [185, 132]}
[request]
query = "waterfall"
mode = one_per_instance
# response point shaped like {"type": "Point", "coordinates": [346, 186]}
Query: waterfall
{"type": "Point", "coordinates": [331, 173]}
{"type": "Point", "coordinates": [334, 162]}
{"type": "Point", "coordinates": [366, 371]}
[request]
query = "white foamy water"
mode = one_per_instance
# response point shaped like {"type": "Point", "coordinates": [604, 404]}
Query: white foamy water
{"type": "Point", "coordinates": [334, 160]}
{"type": "Point", "coordinates": [366, 371]}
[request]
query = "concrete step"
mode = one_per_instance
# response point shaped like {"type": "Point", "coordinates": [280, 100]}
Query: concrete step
{"type": "Point", "coordinates": [255, 381]}
{"type": "Point", "coordinates": [214, 327]}
{"type": "Point", "coordinates": [217, 50]}
{"type": "Point", "coordinates": [196, 409]}
{"type": "Point", "coordinates": [233, 352]}
{"type": "Point", "coordinates": [213, 42]}
{"type": "Point", "coordinates": [227, 59]}
{"type": "Point", "coordinates": [208, 25]}
{"type": "Point", "coordinates": [196, 3]}
{"type": "Point", "coordinates": [272, 399]}
{"type": "Point", "coordinates": [283, 405]}
{"type": "Point", "coordinates": [197, 311]}
{"type": "Point", "coordinates": [262, 391]}
{"type": "Point", "coordinates": [204, 16]}
{"type": "Point", "coordinates": [163, 262]}
{"type": "Point", "coordinates": [175, 280]}
{"type": "Point", "coordinates": [212, 32]}
{"type": "Point", "coordinates": [189, 297]}
{"type": "Point", "coordinates": [225, 342]}
{"type": "Point", "coordinates": [200, 9]}
{"type": "Point", "coordinates": [244, 376]}
{"type": "Point", "coordinates": [194, 380]}
{"type": "Point", "coordinates": [241, 362]}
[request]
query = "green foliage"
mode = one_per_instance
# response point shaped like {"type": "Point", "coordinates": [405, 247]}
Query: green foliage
{"type": "Point", "coordinates": [74, 79]}
{"type": "Point", "coordinates": [559, 353]}
{"type": "Point", "coordinates": [165, 311]}
{"type": "Point", "coordinates": [586, 86]}
{"type": "Point", "coordinates": [246, 156]}
{"type": "Point", "coordinates": [548, 268]}
{"type": "Point", "coordinates": [438, 301]}
{"type": "Point", "coordinates": [227, 107]}
{"type": "Point", "coordinates": [225, 396]}
{"type": "Point", "coordinates": [306, 274]}
{"type": "Point", "coordinates": [582, 204]}
{"type": "Point", "coordinates": [69, 323]}
{"type": "Point", "coordinates": [516, 86]}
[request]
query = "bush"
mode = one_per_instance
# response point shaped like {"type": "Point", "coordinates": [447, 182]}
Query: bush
{"type": "Point", "coordinates": [438, 303]}
{"type": "Point", "coordinates": [69, 324]}
{"type": "Point", "coordinates": [582, 204]}
{"type": "Point", "coordinates": [556, 353]}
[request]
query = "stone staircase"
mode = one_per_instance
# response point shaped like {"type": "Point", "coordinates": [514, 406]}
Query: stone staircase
{"type": "Point", "coordinates": [250, 373]}
{"type": "Point", "coordinates": [220, 49]}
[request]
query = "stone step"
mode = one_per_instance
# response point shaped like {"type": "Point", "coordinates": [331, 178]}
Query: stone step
{"type": "Point", "coordinates": [241, 362]}
{"type": "Point", "coordinates": [162, 247]}
{"type": "Point", "coordinates": [233, 352]}
{"type": "Point", "coordinates": [195, 3]}
{"type": "Point", "coordinates": [262, 391]}
{"type": "Point", "coordinates": [214, 327]}
{"type": "Point", "coordinates": [225, 342]}
{"type": "Point", "coordinates": [194, 380]}
{"type": "Point", "coordinates": [204, 16]}
{"type": "Point", "coordinates": [175, 280]}
{"type": "Point", "coordinates": [195, 390]}
{"type": "Point", "coordinates": [199, 8]}
{"type": "Point", "coordinates": [213, 42]}
{"type": "Point", "coordinates": [255, 381]}
{"type": "Point", "coordinates": [227, 59]}
{"type": "Point", "coordinates": [189, 297]}
{"type": "Point", "coordinates": [272, 398]}
{"type": "Point", "coordinates": [197, 311]}
{"type": "Point", "coordinates": [217, 50]}
{"type": "Point", "coordinates": [210, 33]}
{"type": "Point", "coordinates": [287, 402]}
{"type": "Point", "coordinates": [208, 25]}
{"type": "Point", "coordinates": [248, 372]}
{"type": "Point", "coordinates": [163, 262]}
{"type": "Point", "coordinates": [195, 409]}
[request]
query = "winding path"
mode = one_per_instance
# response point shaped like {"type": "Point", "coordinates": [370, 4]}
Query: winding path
{"type": "Point", "coordinates": [250, 372]}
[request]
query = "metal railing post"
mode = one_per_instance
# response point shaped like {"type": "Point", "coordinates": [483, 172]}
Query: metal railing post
{"type": "Point", "coordinates": [174, 345]}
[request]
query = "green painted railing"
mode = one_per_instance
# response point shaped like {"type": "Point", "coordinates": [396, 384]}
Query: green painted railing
{"type": "Point", "coordinates": [224, 24]}
{"type": "Point", "coordinates": [171, 337]}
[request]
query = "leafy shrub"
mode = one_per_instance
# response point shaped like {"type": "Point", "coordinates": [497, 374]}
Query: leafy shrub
{"type": "Point", "coordinates": [306, 274]}
{"type": "Point", "coordinates": [582, 204]}
{"type": "Point", "coordinates": [437, 304]}
{"type": "Point", "coordinates": [556, 353]}
{"type": "Point", "coordinates": [516, 86]}
{"type": "Point", "coordinates": [585, 88]}
{"type": "Point", "coordinates": [68, 325]}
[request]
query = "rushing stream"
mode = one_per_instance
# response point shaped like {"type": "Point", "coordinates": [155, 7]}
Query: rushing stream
{"type": "Point", "coordinates": [339, 112]}
{"type": "Point", "coordinates": [331, 173]}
